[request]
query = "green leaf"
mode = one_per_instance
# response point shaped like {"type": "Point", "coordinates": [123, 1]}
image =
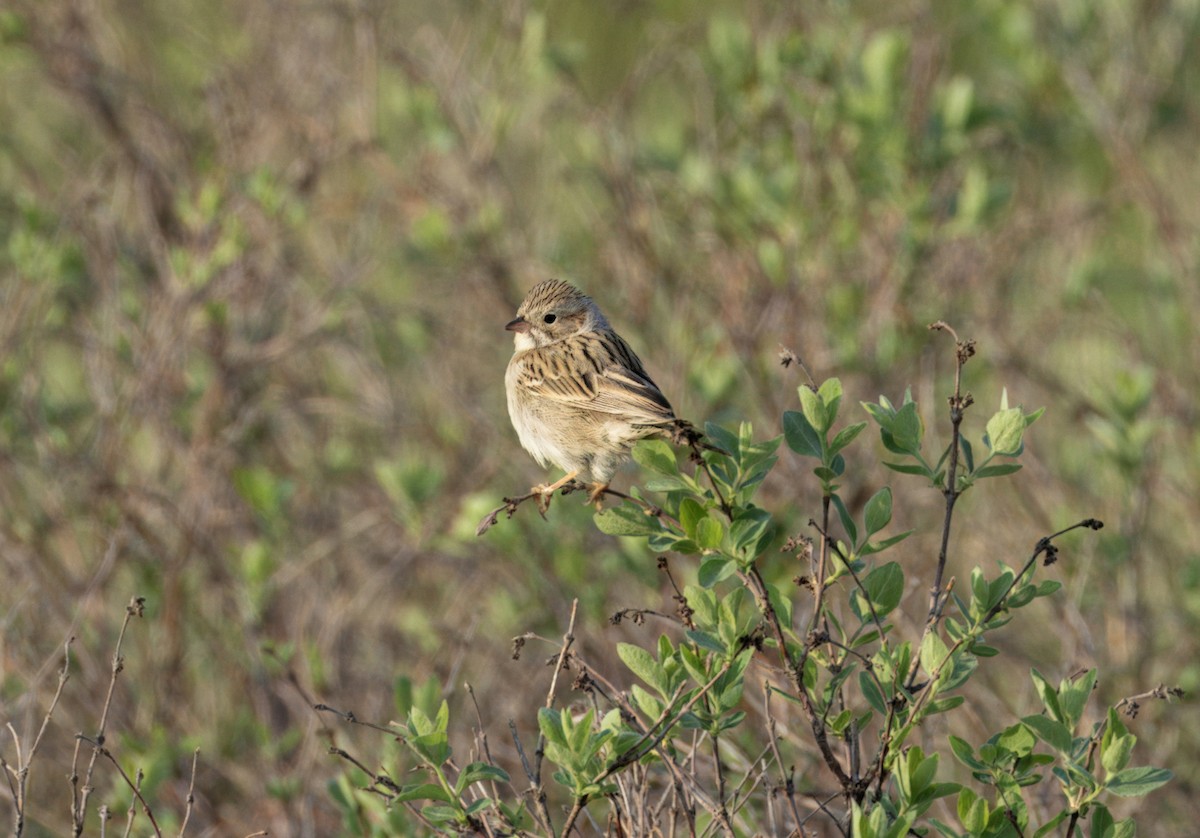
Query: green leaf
{"type": "Point", "coordinates": [690, 514]}
{"type": "Point", "coordinates": [941, 705]}
{"type": "Point", "coordinates": [908, 468]}
{"type": "Point", "coordinates": [626, 520]}
{"type": "Point", "coordinates": [709, 533]}
{"type": "Point", "coordinates": [1101, 821]}
{"type": "Point", "coordinates": [646, 702]}
{"type": "Point", "coordinates": [722, 438]}
{"type": "Point", "coordinates": [844, 516]}
{"type": "Point", "coordinates": [879, 511]}
{"type": "Point", "coordinates": [1136, 782]}
{"type": "Point", "coordinates": [934, 654]}
{"type": "Point", "coordinates": [1116, 755]}
{"type": "Point", "coordinates": [831, 391]}
{"type": "Point", "coordinates": [550, 725]}
{"type": "Point", "coordinates": [967, 452]}
{"type": "Point", "coordinates": [706, 641]}
{"type": "Point", "coordinates": [871, 693]}
{"type": "Point", "coordinates": [478, 806]}
{"type": "Point", "coordinates": [845, 436]}
{"type": "Point", "coordinates": [907, 430]}
{"type": "Point", "coordinates": [965, 754]}
{"type": "Point", "coordinates": [860, 825]}
{"type": "Point", "coordinates": [838, 724]}
{"type": "Point", "coordinates": [656, 455]}
{"type": "Point", "coordinates": [748, 530]}
{"type": "Point", "coordinates": [1073, 697]}
{"type": "Point", "coordinates": [714, 569]}
{"type": "Point", "coordinates": [423, 791]}
{"type": "Point", "coordinates": [781, 602]}
{"type": "Point", "coordinates": [885, 587]}
{"type": "Point", "coordinates": [481, 772]}
{"type": "Point", "coordinates": [880, 546]}
{"type": "Point", "coordinates": [1004, 431]}
{"type": "Point", "coordinates": [1018, 739]}
{"type": "Point", "coordinates": [937, 791]}
{"type": "Point", "coordinates": [683, 545]}
{"type": "Point", "coordinates": [1048, 587]}
{"type": "Point", "coordinates": [1050, 827]}
{"type": "Point", "coordinates": [1055, 734]}
{"type": "Point", "coordinates": [642, 664]}
{"type": "Point", "coordinates": [1048, 694]}
{"type": "Point", "coordinates": [1124, 829]}
{"type": "Point", "coordinates": [924, 770]}
{"type": "Point", "coordinates": [814, 409]}
{"type": "Point", "coordinates": [441, 814]}
{"type": "Point", "coordinates": [801, 436]}
{"type": "Point", "coordinates": [705, 604]}
{"type": "Point", "coordinates": [665, 484]}
{"type": "Point", "coordinates": [998, 470]}
{"type": "Point", "coordinates": [972, 811]}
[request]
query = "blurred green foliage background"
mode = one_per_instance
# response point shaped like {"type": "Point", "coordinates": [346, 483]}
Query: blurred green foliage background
{"type": "Point", "coordinates": [256, 259]}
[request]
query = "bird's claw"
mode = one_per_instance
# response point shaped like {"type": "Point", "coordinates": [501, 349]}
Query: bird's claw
{"type": "Point", "coordinates": [543, 493]}
{"type": "Point", "coordinates": [596, 494]}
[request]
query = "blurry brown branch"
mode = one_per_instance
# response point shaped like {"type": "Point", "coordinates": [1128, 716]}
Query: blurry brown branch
{"type": "Point", "coordinates": [134, 786]}
{"type": "Point", "coordinates": [18, 776]}
{"type": "Point", "coordinates": [539, 789]}
{"type": "Point", "coordinates": [79, 797]}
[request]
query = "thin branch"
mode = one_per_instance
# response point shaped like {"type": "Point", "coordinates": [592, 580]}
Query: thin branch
{"type": "Point", "coordinates": [795, 670]}
{"type": "Point", "coordinates": [678, 775]}
{"type": "Point", "coordinates": [98, 748]}
{"type": "Point", "coordinates": [539, 789]}
{"type": "Point", "coordinates": [191, 794]}
{"type": "Point", "coordinates": [511, 504]}
{"type": "Point", "coordinates": [136, 608]}
{"type": "Point", "coordinates": [788, 775]}
{"type": "Point", "coordinates": [348, 716]}
{"type": "Point", "coordinates": [20, 788]}
{"type": "Point", "coordinates": [963, 350]}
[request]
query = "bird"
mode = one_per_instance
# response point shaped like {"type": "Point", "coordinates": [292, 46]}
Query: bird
{"type": "Point", "coordinates": [578, 395]}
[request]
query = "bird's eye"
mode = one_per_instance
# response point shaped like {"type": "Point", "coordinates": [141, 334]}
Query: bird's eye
{"type": "Point", "coordinates": [549, 318]}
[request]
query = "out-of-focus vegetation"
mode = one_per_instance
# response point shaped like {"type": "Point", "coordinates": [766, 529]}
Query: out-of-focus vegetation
{"type": "Point", "coordinates": [256, 262]}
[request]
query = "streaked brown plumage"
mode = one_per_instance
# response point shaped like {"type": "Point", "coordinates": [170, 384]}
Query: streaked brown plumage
{"type": "Point", "coordinates": [578, 396]}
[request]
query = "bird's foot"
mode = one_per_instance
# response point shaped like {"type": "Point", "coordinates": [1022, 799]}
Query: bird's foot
{"type": "Point", "coordinates": [595, 495]}
{"type": "Point", "coordinates": [545, 492]}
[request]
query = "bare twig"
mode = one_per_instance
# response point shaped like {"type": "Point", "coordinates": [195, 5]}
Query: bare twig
{"type": "Point", "coordinates": [98, 748]}
{"type": "Point", "coordinates": [348, 716]}
{"type": "Point", "coordinates": [963, 350]}
{"type": "Point", "coordinates": [795, 670]}
{"type": "Point", "coordinates": [136, 608]}
{"type": "Point", "coordinates": [18, 777]}
{"type": "Point", "coordinates": [787, 776]}
{"type": "Point", "coordinates": [510, 505]}
{"type": "Point", "coordinates": [540, 752]}
{"type": "Point", "coordinates": [191, 794]}
{"type": "Point", "coordinates": [787, 357]}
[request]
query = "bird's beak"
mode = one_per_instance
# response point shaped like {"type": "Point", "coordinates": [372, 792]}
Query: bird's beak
{"type": "Point", "coordinates": [518, 325]}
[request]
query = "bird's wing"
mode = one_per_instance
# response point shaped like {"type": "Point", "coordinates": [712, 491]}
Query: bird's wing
{"type": "Point", "coordinates": [596, 372]}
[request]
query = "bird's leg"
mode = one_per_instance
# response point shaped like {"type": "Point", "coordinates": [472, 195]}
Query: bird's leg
{"type": "Point", "coordinates": [596, 493]}
{"type": "Point", "coordinates": [545, 492]}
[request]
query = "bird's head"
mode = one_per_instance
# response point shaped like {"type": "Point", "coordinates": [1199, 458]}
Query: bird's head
{"type": "Point", "coordinates": [554, 310]}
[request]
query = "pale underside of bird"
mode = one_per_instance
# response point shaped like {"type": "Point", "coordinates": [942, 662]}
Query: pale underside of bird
{"type": "Point", "coordinates": [578, 396]}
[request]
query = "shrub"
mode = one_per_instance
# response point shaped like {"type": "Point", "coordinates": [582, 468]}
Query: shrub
{"type": "Point", "coordinates": [817, 669]}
